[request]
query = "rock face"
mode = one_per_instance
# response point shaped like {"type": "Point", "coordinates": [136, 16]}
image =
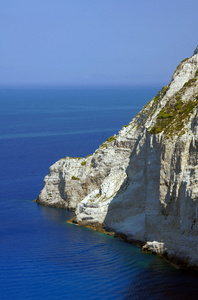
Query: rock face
{"type": "Point", "coordinates": [143, 182]}
{"type": "Point", "coordinates": [196, 50]}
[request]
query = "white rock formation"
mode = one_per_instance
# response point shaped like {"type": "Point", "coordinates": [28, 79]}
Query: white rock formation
{"type": "Point", "coordinates": [142, 183]}
{"type": "Point", "coordinates": [154, 247]}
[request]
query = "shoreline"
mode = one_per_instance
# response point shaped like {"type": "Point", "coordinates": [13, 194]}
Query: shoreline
{"type": "Point", "coordinates": [174, 261]}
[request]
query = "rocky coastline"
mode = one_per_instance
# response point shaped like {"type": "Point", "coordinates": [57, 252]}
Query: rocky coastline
{"type": "Point", "coordinates": [141, 184]}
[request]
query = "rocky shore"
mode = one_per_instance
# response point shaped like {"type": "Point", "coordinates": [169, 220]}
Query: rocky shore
{"type": "Point", "coordinates": [142, 184]}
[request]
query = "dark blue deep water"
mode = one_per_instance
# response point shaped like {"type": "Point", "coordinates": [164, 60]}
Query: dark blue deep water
{"type": "Point", "coordinates": [42, 256]}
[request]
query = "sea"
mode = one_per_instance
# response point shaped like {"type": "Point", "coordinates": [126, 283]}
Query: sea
{"type": "Point", "coordinates": [41, 255]}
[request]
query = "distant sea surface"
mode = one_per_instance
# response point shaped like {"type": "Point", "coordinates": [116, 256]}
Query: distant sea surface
{"type": "Point", "coordinates": [42, 256]}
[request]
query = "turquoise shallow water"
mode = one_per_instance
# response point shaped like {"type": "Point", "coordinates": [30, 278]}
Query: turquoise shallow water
{"type": "Point", "coordinates": [42, 256]}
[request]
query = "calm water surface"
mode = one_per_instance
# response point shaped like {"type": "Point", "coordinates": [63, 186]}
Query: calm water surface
{"type": "Point", "coordinates": [42, 256]}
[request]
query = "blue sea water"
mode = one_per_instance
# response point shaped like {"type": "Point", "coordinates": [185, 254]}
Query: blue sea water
{"type": "Point", "coordinates": [42, 256]}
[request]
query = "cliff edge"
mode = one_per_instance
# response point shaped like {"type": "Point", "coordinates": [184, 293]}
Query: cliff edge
{"type": "Point", "coordinates": [142, 183]}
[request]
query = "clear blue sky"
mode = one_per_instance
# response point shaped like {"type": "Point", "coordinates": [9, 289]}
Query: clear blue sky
{"type": "Point", "coordinates": [94, 42]}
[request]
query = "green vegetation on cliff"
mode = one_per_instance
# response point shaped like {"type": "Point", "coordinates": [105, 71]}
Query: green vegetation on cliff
{"type": "Point", "coordinates": [110, 139]}
{"type": "Point", "coordinates": [172, 117]}
{"type": "Point", "coordinates": [156, 100]}
{"type": "Point", "coordinates": [75, 178]}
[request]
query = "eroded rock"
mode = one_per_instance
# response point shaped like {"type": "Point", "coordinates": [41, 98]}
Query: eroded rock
{"type": "Point", "coordinates": [142, 183]}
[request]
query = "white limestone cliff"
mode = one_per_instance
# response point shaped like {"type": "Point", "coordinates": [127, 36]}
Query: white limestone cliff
{"type": "Point", "coordinates": [143, 182]}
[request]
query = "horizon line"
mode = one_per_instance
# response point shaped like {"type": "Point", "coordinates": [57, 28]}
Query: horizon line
{"type": "Point", "coordinates": [70, 86]}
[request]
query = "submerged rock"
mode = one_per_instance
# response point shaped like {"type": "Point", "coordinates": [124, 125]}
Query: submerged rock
{"type": "Point", "coordinates": [142, 183]}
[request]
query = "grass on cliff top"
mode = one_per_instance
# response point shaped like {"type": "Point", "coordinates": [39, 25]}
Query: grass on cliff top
{"type": "Point", "coordinates": [148, 111]}
{"type": "Point", "coordinates": [171, 119]}
{"type": "Point", "coordinates": [156, 99]}
{"type": "Point", "coordinates": [173, 116]}
{"type": "Point", "coordinates": [110, 139]}
{"type": "Point", "coordinates": [179, 67]}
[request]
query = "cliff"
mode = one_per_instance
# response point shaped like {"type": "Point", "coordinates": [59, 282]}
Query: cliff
{"type": "Point", "coordinates": [142, 183]}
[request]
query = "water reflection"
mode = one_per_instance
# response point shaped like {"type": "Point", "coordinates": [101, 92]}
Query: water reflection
{"type": "Point", "coordinates": [55, 214]}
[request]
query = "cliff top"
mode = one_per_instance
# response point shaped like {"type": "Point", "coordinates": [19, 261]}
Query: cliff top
{"type": "Point", "coordinates": [196, 51]}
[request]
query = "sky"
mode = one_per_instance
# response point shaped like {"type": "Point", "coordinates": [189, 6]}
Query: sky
{"type": "Point", "coordinates": [94, 42]}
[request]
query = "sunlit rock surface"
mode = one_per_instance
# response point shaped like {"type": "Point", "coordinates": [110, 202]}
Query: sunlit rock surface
{"type": "Point", "coordinates": [143, 182]}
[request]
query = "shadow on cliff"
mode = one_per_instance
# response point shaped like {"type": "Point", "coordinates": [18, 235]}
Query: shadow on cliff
{"type": "Point", "coordinates": [178, 197]}
{"type": "Point", "coordinates": [126, 212]}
